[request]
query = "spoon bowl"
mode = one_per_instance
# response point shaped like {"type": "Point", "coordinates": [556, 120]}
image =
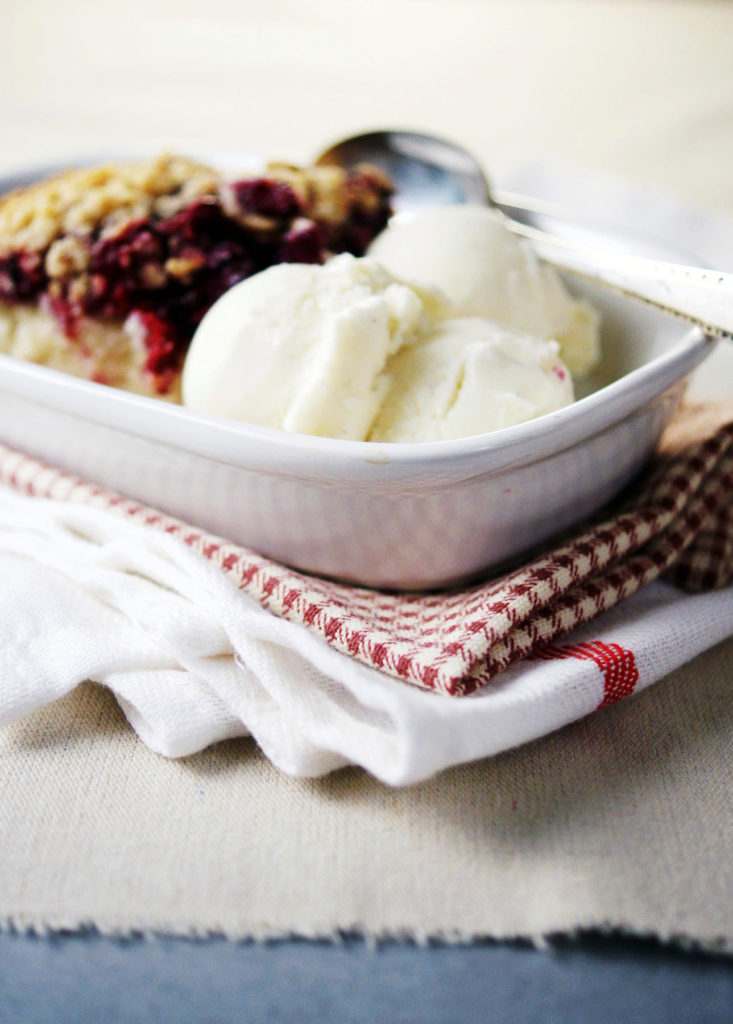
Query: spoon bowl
{"type": "Point", "coordinates": [426, 170]}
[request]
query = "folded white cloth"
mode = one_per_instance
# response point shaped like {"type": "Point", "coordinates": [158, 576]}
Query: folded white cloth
{"type": "Point", "coordinates": [192, 659]}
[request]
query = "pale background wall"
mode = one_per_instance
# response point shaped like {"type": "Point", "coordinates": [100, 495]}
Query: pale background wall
{"type": "Point", "coordinates": [643, 88]}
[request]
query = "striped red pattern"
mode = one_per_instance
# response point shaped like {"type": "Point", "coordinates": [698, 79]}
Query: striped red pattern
{"type": "Point", "coordinates": [677, 520]}
{"type": "Point", "coordinates": [617, 665]}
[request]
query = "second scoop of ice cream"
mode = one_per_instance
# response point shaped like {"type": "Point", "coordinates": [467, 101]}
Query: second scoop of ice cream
{"type": "Point", "coordinates": [469, 376]}
{"type": "Point", "coordinates": [347, 350]}
{"type": "Point", "coordinates": [487, 271]}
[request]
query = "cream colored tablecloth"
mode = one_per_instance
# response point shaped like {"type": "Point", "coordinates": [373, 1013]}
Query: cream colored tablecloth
{"type": "Point", "coordinates": [621, 820]}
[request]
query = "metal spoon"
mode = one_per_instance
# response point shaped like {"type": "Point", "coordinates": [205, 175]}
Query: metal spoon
{"type": "Point", "coordinates": [431, 171]}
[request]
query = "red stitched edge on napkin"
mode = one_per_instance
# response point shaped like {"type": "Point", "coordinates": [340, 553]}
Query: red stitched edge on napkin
{"type": "Point", "coordinates": [678, 521]}
{"type": "Point", "coordinates": [616, 664]}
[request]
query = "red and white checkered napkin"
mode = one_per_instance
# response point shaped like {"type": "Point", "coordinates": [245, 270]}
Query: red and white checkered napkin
{"type": "Point", "coordinates": [211, 640]}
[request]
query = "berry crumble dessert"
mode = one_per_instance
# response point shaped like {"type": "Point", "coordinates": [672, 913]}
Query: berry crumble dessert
{"type": "Point", "coordinates": [106, 272]}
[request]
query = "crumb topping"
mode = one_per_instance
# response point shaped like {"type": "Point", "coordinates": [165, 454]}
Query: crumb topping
{"type": "Point", "coordinates": [77, 202]}
{"type": "Point", "coordinates": [104, 199]}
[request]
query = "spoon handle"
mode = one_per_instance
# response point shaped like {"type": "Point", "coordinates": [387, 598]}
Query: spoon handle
{"type": "Point", "coordinates": [699, 296]}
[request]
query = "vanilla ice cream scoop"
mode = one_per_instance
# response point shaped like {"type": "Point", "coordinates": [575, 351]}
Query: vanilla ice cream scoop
{"type": "Point", "coordinates": [346, 350]}
{"type": "Point", "coordinates": [303, 347]}
{"type": "Point", "coordinates": [469, 376]}
{"type": "Point", "coordinates": [469, 254]}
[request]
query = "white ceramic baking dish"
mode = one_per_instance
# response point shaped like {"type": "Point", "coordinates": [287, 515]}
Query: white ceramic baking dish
{"type": "Point", "coordinates": [398, 516]}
